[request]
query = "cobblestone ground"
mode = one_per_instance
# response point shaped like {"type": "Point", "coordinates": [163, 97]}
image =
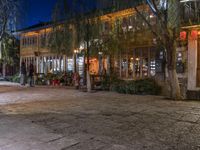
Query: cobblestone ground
{"type": "Point", "coordinates": [44, 118]}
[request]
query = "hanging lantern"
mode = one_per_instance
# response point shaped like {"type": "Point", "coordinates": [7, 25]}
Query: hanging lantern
{"type": "Point", "coordinates": [194, 35]}
{"type": "Point", "coordinates": [183, 35]}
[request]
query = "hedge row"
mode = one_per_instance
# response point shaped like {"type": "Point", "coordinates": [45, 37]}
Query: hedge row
{"type": "Point", "coordinates": [142, 87]}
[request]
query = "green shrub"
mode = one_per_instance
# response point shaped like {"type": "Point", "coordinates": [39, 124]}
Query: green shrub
{"type": "Point", "coordinates": [16, 78]}
{"type": "Point", "coordinates": [119, 86]}
{"type": "Point", "coordinates": [105, 84]}
{"type": "Point", "coordinates": [142, 87]}
{"type": "Point", "coordinates": [40, 81]}
{"type": "Point", "coordinates": [147, 86]}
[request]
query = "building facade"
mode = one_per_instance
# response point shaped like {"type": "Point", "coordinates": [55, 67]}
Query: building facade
{"type": "Point", "coordinates": [137, 61]}
{"type": "Point", "coordinates": [140, 58]}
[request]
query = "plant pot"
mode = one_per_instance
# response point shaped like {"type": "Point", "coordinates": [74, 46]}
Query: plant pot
{"type": "Point", "coordinates": [48, 82]}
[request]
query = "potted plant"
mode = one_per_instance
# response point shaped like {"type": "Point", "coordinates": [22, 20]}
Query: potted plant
{"type": "Point", "coordinates": [56, 80]}
{"type": "Point", "coordinates": [49, 78]}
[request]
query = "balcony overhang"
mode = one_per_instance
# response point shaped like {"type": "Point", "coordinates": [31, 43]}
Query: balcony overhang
{"type": "Point", "coordinates": [191, 26]}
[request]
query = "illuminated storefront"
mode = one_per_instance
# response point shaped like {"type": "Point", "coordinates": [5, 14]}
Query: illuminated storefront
{"type": "Point", "coordinates": [138, 63]}
{"type": "Point", "coordinates": [140, 59]}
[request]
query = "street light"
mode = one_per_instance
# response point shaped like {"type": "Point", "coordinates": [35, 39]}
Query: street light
{"type": "Point", "coordinates": [75, 52]}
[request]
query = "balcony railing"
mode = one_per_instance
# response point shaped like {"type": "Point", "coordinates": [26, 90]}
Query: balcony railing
{"type": "Point", "coordinates": [190, 12]}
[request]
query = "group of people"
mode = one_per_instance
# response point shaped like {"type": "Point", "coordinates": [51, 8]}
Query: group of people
{"type": "Point", "coordinates": [27, 76]}
{"type": "Point", "coordinates": [26, 73]}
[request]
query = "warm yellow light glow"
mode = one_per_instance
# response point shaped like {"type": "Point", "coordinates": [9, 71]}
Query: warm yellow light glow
{"type": "Point", "coordinates": [193, 26]}
{"type": "Point", "coordinates": [30, 34]}
{"type": "Point", "coordinates": [151, 16]}
{"type": "Point", "coordinates": [123, 13]}
{"type": "Point", "coordinates": [46, 30]}
{"type": "Point", "coordinates": [75, 51]}
{"type": "Point", "coordinates": [137, 59]}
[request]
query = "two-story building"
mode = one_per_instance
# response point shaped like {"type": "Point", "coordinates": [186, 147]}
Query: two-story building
{"type": "Point", "coordinates": [139, 58]}
{"type": "Point", "coordinates": [137, 61]}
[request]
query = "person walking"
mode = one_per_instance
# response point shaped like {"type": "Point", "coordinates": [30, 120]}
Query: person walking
{"type": "Point", "coordinates": [23, 74]}
{"type": "Point", "coordinates": [30, 75]}
{"type": "Point", "coordinates": [76, 79]}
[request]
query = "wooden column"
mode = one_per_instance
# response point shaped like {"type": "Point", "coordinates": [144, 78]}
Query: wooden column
{"type": "Point", "coordinates": [127, 64]}
{"type": "Point", "coordinates": [74, 56]}
{"type": "Point", "coordinates": [45, 65]}
{"type": "Point", "coordinates": [64, 63]}
{"type": "Point", "coordinates": [109, 65]}
{"type": "Point", "coordinates": [53, 64]}
{"type": "Point", "coordinates": [198, 64]}
{"type": "Point", "coordinates": [120, 65]}
{"type": "Point", "coordinates": [37, 64]}
{"type": "Point", "coordinates": [20, 62]}
{"type": "Point", "coordinates": [42, 65]}
{"type": "Point", "coordinates": [59, 60]}
{"type": "Point", "coordinates": [26, 59]}
{"type": "Point", "coordinates": [149, 62]}
{"type": "Point", "coordinates": [141, 63]}
{"type": "Point", "coordinates": [134, 64]}
{"type": "Point", "coordinates": [100, 64]}
{"type": "Point", "coordinates": [34, 64]}
{"type": "Point", "coordinates": [29, 61]}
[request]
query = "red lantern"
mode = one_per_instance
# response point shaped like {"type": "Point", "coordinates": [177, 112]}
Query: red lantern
{"type": "Point", "coordinates": [183, 35]}
{"type": "Point", "coordinates": [194, 34]}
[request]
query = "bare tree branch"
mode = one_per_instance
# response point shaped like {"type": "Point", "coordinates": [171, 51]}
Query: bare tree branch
{"type": "Point", "coordinates": [8, 12]}
{"type": "Point", "coordinates": [149, 25]}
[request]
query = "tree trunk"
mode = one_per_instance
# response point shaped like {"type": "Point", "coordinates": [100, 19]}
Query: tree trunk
{"type": "Point", "coordinates": [88, 69]}
{"type": "Point", "coordinates": [175, 92]}
{"type": "Point", "coordinates": [0, 50]}
{"type": "Point", "coordinates": [108, 65]}
{"type": "Point", "coordinates": [89, 87]}
{"type": "Point", "coordinates": [88, 57]}
{"type": "Point", "coordinates": [4, 70]}
{"type": "Point", "coordinates": [174, 85]}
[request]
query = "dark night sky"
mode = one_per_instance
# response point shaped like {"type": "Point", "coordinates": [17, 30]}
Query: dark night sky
{"type": "Point", "coordinates": [39, 10]}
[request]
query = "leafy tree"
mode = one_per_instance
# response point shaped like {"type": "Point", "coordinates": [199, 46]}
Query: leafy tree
{"type": "Point", "coordinates": [10, 52]}
{"type": "Point", "coordinates": [166, 32]}
{"type": "Point", "coordinates": [83, 24]}
{"type": "Point", "coordinates": [60, 40]}
{"type": "Point", "coordinates": [8, 17]}
{"type": "Point", "coordinates": [7, 12]}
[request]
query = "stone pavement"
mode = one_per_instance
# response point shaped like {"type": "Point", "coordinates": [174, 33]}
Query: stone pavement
{"type": "Point", "coordinates": [6, 83]}
{"type": "Point", "coordinates": [43, 118]}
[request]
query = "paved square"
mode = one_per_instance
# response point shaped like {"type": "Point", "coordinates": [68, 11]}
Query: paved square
{"type": "Point", "coordinates": [45, 118]}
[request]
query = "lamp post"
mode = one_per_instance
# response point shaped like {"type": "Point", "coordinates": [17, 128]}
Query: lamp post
{"type": "Point", "coordinates": [75, 57]}
{"type": "Point", "coordinates": [100, 63]}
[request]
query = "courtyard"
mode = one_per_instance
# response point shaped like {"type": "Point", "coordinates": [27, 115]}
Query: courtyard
{"type": "Point", "coordinates": [58, 118]}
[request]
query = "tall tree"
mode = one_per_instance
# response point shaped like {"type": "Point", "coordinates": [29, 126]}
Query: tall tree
{"type": "Point", "coordinates": [10, 52]}
{"type": "Point", "coordinates": [166, 32]}
{"type": "Point", "coordinates": [83, 20]}
{"type": "Point", "coordinates": [8, 12]}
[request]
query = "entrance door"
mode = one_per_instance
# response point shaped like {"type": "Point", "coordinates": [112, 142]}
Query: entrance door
{"type": "Point", "coordinates": [198, 63]}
